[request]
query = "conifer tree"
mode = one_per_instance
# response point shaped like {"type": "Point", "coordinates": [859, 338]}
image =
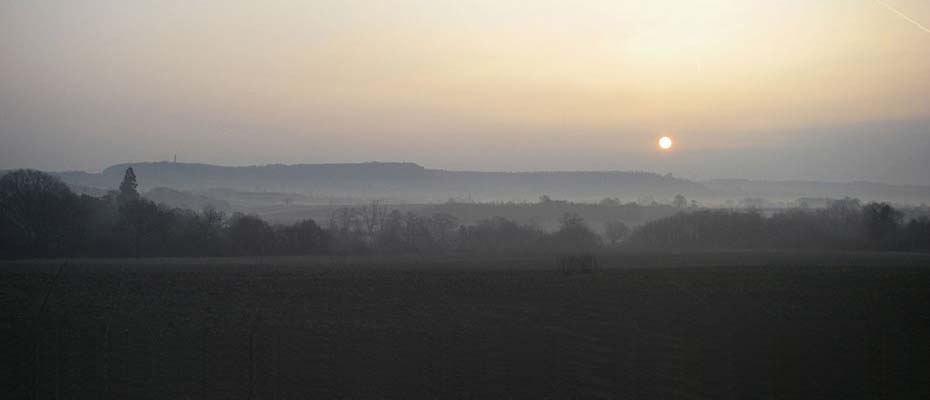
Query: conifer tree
{"type": "Point", "coordinates": [128, 191]}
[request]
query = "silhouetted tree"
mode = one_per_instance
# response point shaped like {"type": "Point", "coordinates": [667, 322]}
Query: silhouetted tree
{"type": "Point", "coordinates": [881, 222]}
{"type": "Point", "coordinates": [500, 235]}
{"type": "Point", "coordinates": [128, 189]}
{"type": "Point", "coordinates": [917, 234]}
{"type": "Point", "coordinates": [39, 215]}
{"type": "Point", "coordinates": [304, 237]}
{"type": "Point", "coordinates": [372, 219]}
{"type": "Point", "coordinates": [702, 229]}
{"type": "Point", "coordinates": [406, 233]}
{"type": "Point", "coordinates": [574, 234]}
{"type": "Point", "coordinates": [347, 227]}
{"type": "Point", "coordinates": [99, 236]}
{"type": "Point", "coordinates": [679, 201]}
{"type": "Point", "coordinates": [393, 235]}
{"type": "Point", "coordinates": [615, 231]}
{"type": "Point", "coordinates": [442, 227]}
{"type": "Point", "coordinates": [212, 226]}
{"type": "Point", "coordinates": [250, 235]}
{"type": "Point", "coordinates": [844, 224]}
{"type": "Point", "coordinates": [138, 222]}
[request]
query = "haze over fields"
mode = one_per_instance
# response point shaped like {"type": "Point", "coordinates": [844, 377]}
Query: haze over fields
{"type": "Point", "coordinates": [408, 182]}
{"type": "Point", "coordinates": [464, 199]}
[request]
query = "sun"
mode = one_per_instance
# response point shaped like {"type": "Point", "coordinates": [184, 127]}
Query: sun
{"type": "Point", "coordinates": [665, 143]}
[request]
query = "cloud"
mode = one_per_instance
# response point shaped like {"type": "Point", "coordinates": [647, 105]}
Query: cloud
{"type": "Point", "coordinates": [903, 15]}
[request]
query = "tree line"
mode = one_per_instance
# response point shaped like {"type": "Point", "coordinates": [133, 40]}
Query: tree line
{"type": "Point", "coordinates": [41, 217]}
{"type": "Point", "coordinates": [845, 224]}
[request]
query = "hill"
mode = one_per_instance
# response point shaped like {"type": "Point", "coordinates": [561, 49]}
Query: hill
{"type": "Point", "coordinates": [403, 182]}
{"type": "Point", "coordinates": [412, 183]}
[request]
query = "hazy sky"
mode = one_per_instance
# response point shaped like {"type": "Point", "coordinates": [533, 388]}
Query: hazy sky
{"type": "Point", "coordinates": [461, 84]}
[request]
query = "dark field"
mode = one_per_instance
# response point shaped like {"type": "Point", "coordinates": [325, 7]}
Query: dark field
{"type": "Point", "coordinates": [737, 325]}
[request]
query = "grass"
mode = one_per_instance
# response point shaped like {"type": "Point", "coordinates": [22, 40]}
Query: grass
{"type": "Point", "coordinates": [713, 325]}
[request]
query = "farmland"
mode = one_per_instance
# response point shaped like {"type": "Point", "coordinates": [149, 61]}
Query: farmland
{"type": "Point", "coordinates": [714, 325]}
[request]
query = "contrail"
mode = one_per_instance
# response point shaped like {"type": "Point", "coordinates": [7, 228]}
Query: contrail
{"type": "Point", "coordinates": [903, 15]}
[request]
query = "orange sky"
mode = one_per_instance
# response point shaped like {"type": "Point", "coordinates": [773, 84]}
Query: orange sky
{"type": "Point", "coordinates": [254, 80]}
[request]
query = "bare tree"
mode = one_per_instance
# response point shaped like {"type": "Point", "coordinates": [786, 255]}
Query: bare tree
{"type": "Point", "coordinates": [372, 218]}
{"type": "Point", "coordinates": [442, 230]}
{"type": "Point", "coordinates": [615, 231]}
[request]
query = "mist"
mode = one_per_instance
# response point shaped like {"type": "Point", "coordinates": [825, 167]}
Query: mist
{"type": "Point", "coordinates": [480, 199]}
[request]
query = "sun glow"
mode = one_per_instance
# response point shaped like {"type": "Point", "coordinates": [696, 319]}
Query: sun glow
{"type": "Point", "coordinates": [665, 143]}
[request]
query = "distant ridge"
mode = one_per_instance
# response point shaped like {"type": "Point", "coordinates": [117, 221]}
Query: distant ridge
{"type": "Point", "coordinates": [404, 181]}
{"type": "Point", "coordinates": [396, 180]}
